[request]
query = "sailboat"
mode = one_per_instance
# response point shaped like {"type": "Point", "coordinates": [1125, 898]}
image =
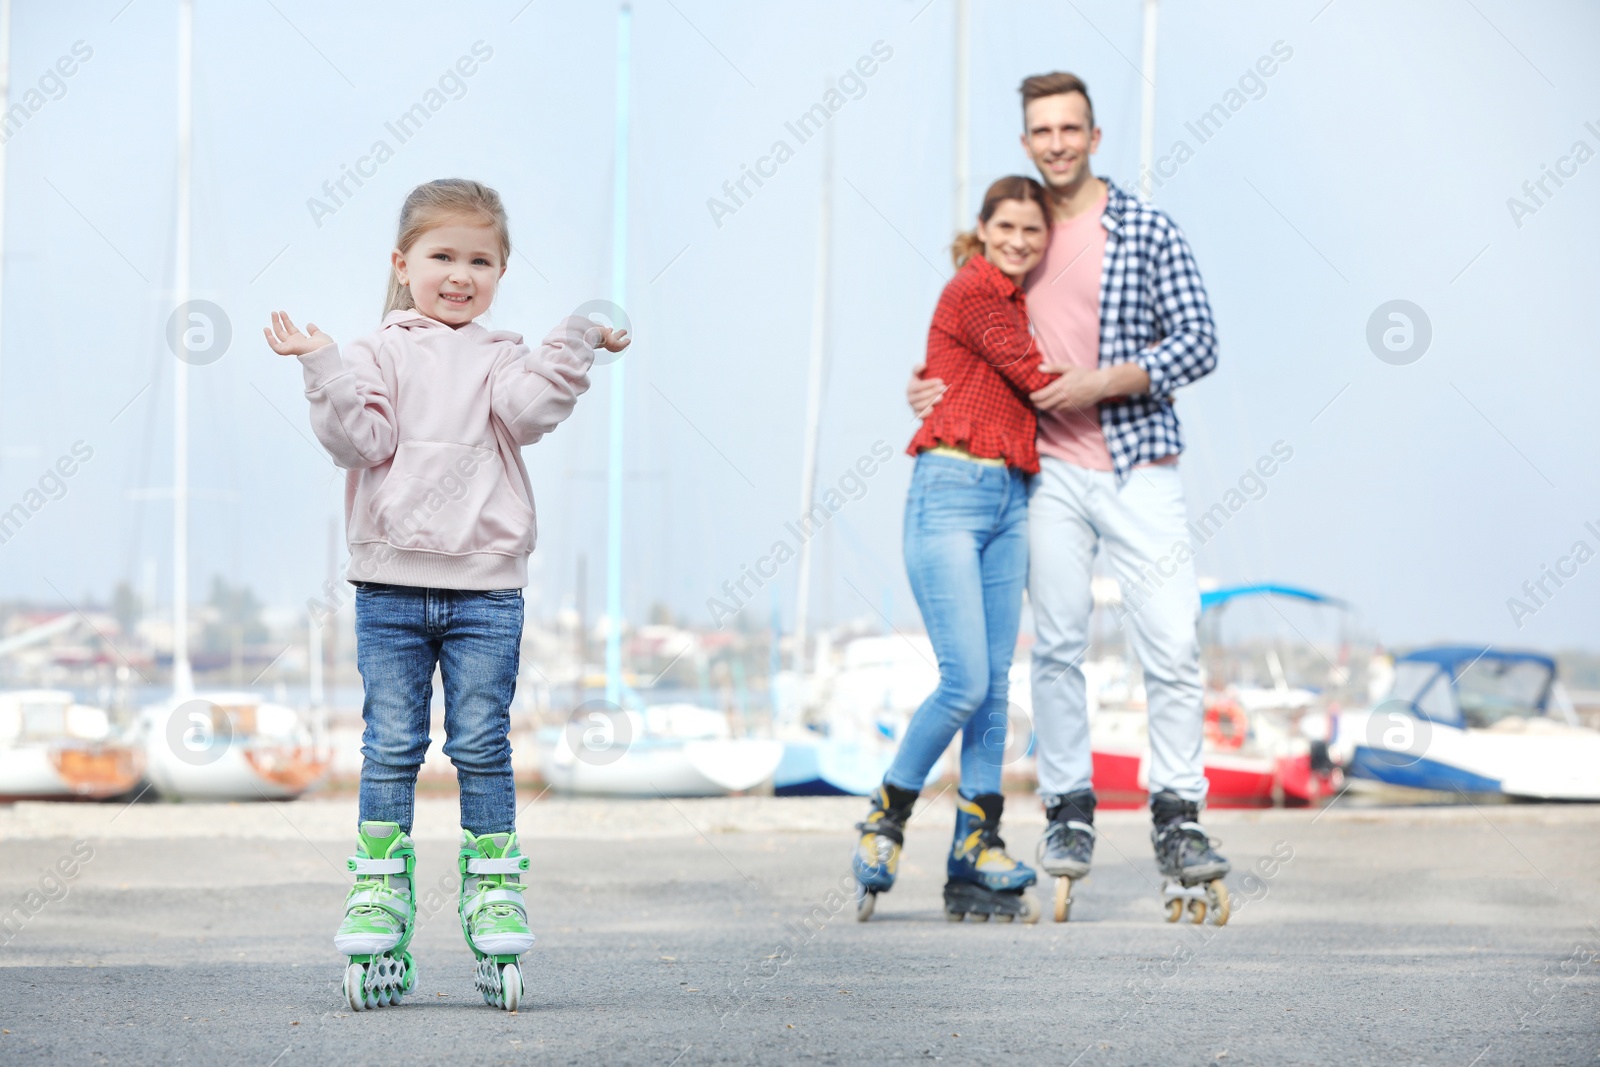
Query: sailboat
{"type": "Point", "coordinates": [51, 746]}
{"type": "Point", "coordinates": [840, 727]}
{"type": "Point", "coordinates": [662, 750]}
{"type": "Point", "coordinates": [54, 748]}
{"type": "Point", "coordinates": [219, 745]}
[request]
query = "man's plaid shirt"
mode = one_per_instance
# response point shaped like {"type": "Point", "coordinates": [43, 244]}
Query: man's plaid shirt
{"type": "Point", "coordinates": [1153, 312]}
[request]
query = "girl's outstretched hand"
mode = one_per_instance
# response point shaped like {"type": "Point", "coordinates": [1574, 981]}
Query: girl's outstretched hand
{"type": "Point", "coordinates": [285, 337]}
{"type": "Point", "coordinates": [609, 339]}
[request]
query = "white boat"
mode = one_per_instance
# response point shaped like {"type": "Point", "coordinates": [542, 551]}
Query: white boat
{"type": "Point", "coordinates": [862, 708]}
{"type": "Point", "coordinates": [1472, 720]}
{"type": "Point", "coordinates": [669, 750]}
{"type": "Point", "coordinates": [230, 746]}
{"type": "Point", "coordinates": [53, 748]}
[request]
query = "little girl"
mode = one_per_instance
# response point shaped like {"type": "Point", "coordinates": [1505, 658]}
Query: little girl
{"type": "Point", "coordinates": [429, 415]}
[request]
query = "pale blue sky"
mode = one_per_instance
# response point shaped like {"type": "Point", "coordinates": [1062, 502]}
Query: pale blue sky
{"type": "Point", "coordinates": [1376, 165]}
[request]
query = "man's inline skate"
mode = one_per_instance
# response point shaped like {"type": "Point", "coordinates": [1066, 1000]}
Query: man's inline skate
{"type": "Point", "coordinates": [877, 855]}
{"type": "Point", "coordinates": [981, 879]}
{"type": "Point", "coordinates": [1193, 871]}
{"type": "Point", "coordinates": [380, 913]}
{"type": "Point", "coordinates": [1067, 848]}
{"type": "Point", "coordinates": [494, 917]}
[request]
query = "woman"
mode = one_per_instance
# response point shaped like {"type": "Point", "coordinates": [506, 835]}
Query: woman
{"type": "Point", "coordinates": [966, 552]}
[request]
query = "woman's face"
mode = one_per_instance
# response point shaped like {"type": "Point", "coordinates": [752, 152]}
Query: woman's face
{"type": "Point", "coordinates": [1014, 237]}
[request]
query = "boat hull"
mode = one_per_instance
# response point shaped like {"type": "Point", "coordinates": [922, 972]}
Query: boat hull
{"type": "Point", "coordinates": [706, 768]}
{"type": "Point", "coordinates": [1122, 779]}
{"type": "Point", "coordinates": [1564, 766]}
{"type": "Point", "coordinates": [69, 772]}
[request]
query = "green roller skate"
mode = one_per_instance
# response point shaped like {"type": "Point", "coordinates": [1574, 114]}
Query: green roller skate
{"type": "Point", "coordinates": [494, 917]}
{"type": "Point", "coordinates": [379, 915]}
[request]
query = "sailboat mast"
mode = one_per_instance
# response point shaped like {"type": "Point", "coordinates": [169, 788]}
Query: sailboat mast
{"type": "Point", "coordinates": [963, 114]}
{"type": "Point", "coordinates": [619, 295]}
{"type": "Point", "coordinates": [1147, 101]}
{"type": "Point", "coordinates": [819, 348]}
{"type": "Point", "coordinates": [182, 678]}
{"type": "Point", "coordinates": [5, 103]}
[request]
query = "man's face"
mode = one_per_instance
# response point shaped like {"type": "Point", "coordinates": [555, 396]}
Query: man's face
{"type": "Point", "coordinates": [1059, 140]}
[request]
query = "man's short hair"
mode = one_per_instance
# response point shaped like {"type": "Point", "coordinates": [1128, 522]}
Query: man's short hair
{"type": "Point", "coordinates": [1054, 84]}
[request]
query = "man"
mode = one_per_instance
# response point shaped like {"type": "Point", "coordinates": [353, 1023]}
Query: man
{"type": "Point", "coordinates": [1120, 312]}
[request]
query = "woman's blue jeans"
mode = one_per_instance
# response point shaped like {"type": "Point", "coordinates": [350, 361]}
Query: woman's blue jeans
{"type": "Point", "coordinates": [475, 639]}
{"type": "Point", "coordinates": [966, 545]}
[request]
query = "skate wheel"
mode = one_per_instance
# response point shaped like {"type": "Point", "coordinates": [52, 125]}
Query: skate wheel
{"type": "Point", "coordinates": [1221, 906]}
{"type": "Point", "coordinates": [510, 987]}
{"type": "Point", "coordinates": [955, 916]}
{"type": "Point", "coordinates": [354, 978]}
{"type": "Point", "coordinates": [1030, 908]}
{"type": "Point", "coordinates": [866, 902]}
{"type": "Point", "coordinates": [1174, 910]}
{"type": "Point", "coordinates": [1197, 911]}
{"type": "Point", "coordinates": [1063, 899]}
{"type": "Point", "coordinates": [1004, 918]}
{"type": "Point", "coordinates": [980, 916]}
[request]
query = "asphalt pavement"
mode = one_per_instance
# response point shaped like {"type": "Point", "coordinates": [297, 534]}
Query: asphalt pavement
{"type": "Point", "coordinates": [694, 932]}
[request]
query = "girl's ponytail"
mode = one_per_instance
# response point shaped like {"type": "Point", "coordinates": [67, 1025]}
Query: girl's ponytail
{"type": "Point", "coordinates": [435, 202]}
{"type": "Point", "coordinates": [399, 298]}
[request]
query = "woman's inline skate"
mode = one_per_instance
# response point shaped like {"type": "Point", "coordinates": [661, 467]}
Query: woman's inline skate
{"type": "Point", "coordinates": [981, 879]}
{"type": "Point", "coordinates": [877, 856]}
{"type": "Point", "coordinates": [379, 915]}
{"type": "Point", "coordinates": [494, 917]}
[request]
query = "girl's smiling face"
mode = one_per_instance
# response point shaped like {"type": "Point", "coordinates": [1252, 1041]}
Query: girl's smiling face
{"type": "Point", "coordinates": [452, 270]}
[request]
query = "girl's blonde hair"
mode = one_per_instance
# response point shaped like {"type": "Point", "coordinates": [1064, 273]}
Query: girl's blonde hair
{"type": "Point", "coordinates": [437, 202]}
{"type": "Point", "coordinates": [1015, 187]}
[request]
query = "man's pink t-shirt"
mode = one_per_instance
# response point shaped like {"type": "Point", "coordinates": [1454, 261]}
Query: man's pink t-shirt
{"type": "Point", "coordinates": [1064, 304]}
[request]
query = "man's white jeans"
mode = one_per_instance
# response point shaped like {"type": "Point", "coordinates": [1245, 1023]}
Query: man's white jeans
{"type": "Point", "coordinates": [1071, 512]}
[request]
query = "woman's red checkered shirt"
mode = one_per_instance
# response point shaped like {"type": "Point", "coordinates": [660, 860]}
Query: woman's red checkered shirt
{"type": "Point", "coordinates": [982, 348]}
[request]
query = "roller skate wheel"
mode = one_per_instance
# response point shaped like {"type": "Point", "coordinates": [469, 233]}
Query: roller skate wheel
{"type": "Point", "coordinates": [510, 987]}
{"type": "Point", "coordinates": [1030, 908]}
{"type": "Point", "coordinates": [1063, 899]}
{"type": "Point", "coordinates": [354, 979]}
{"type": "Point", "coordinates": [955, 916]}
{"type": "Point", "coordinates": [1221, 906]}
{"type": "Point", "coordinates": [1197, 911]}
{"type": "Point", "coordinates": [1174, 910]}
{"type": "Point", "coordinates": [980, 916]}
{"type": "Point", "coordinates": [866, 902]}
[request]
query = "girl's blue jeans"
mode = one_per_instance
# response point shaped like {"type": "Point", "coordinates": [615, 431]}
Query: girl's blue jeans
{"type": "Point", "coordinates": [475, 639]}
{"type": "Point", "coordinates": [966, 546]}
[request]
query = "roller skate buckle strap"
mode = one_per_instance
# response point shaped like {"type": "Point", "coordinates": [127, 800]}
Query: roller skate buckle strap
{"type": "Point", "coordinates": [363, 865]}
{"type": "Point", "coordinates": [505, 865]}
{"type": "Point", "coordinates": [390, 901]}
{"type": "Point", "coordinates": [486, 897]}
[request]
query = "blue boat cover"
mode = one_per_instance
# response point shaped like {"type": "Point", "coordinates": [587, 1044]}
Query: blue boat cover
{"type": "Point", "coordinates": [1218, 597]}
{"type": "Point", "coordinates": [1452, 656]}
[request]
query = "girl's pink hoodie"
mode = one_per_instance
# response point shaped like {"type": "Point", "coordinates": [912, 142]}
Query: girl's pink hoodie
{"type": "Point", "coordinates": [430, 421]}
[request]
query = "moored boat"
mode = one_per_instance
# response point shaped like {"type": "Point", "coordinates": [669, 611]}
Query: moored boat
{"type": "Point", "coordinates": [1473, 720]}
{"type": "Point", "coordinates": [54, 748]}
{"type": "Point", "coordinates": [230, 746]}
{"type": "Point", "coordinates": [674, 750]}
